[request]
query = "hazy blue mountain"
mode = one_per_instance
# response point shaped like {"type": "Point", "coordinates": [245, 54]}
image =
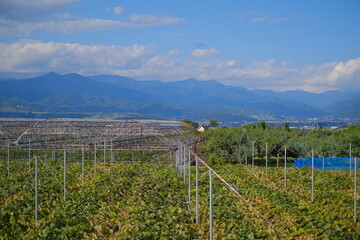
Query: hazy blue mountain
{"type": "Point", "coordinates": [318, 101]}
{"type": "Point", "coordinates": [346, 109]}
{"type": "Point", "coordinates": [212, 92]}
{"type": "Point", "coordinates": [52, 83]}
{"type": "Point", "coordinates": [190, 98]}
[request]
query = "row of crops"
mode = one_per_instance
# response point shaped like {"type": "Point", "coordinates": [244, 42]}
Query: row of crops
{"type": "Point", "coordinates": [147, 201]}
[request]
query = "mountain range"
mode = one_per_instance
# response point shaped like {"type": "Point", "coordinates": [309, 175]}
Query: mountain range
{"type": "Point", "coordinates": [117, 97]}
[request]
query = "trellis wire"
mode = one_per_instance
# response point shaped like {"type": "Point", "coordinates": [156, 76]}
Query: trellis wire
{"type": "Point", "coordinates": [236, 192]}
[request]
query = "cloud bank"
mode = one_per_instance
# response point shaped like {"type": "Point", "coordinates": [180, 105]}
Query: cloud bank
{"type": "Point", "coordinates": [143, 62]}
{"type": "Point", "coordinates": [23, 17]}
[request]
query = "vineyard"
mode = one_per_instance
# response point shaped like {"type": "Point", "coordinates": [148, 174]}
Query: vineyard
{"type": "Point", "coordinates": [109, 191]}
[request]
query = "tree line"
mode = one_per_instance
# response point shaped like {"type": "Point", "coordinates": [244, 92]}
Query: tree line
{"type": "Point", "coordinates": [236, 143]}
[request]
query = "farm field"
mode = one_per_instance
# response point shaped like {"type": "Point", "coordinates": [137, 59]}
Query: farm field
{"type": "Point", "coordinates": [147, 201]}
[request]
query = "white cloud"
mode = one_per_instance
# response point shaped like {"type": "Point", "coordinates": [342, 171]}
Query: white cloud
{"type": "Point", "coordinates": [142, 62]}
{"type": "Point", "coordinates": [22, 17]}
{"type": "Point", "coordinates": [118, 10]}
{"type": "Point", "coordinates": [260, 17]}
{"type": "Point", "coordinates": [10, 28]}
{"type": "Point", "coordinates": [158, 20]}
{"type": "Point", "coordinates": [35, 56]}
{"type": "Point", "coordinates": [204, 52]}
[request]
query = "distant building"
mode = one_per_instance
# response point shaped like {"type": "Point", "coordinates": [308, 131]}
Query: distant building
{"type": "Point", "coordinates": [202, 127]}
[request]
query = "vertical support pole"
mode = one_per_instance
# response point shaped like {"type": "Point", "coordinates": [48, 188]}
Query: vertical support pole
{"type": "Point", "coordinates": [82, 165]}
{"type": "Point", "coordinates": [184, 157]}
{"type": "Point", "coordinates": [36, 189]}
{"type": "Point", "coordinates": [104, 154]}
{"type": "Point", "coordinates": [285, 168]}
{"type": "Point", "coordinates": [8, 159]}
{"type": "Point", "coordinates": [29, 155]}
{"type": "Point", "coordinates": [46, 151]}
{"type": "Point", "coordinates": [246, 160]}
{"type": "Point", "coordinates": [189, 176]}
{"type": "Point", "coordinates": [350, 162]}
{"type": "Point", "coordinates": [95, 159]}
{"type": "Point", "coordinates": [211, 205]}
{"type": "Point", "coordinates": [355, 186]}
{"type": "Point", "coordinates": [197, 192]}
{"type": "Point", "coordinates": [176, 158]}
{"type": "Point", "coordinates": [64, 175]}
{"type": "Point", "coordinates": [111, 152]}
{"type": "Point", "coordinates": [253, 153]}
{"type": "Point", "coordinates": [312, 175]}
{"type": "Point", "coordinates": [266, 160]}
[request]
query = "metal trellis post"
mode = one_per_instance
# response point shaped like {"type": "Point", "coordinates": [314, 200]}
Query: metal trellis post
{"type": "Point", "coordinates": [95, 159]}
{"type": "Point", "coordinates": [350, 161]}
{"type": "Point", "coordinates": [312, 175]}
{"type": "Point", "coordinates": [355, 185]}
{"type": "Point", "coordinates": [104, 154]}
{"type": "Point", "coordinates": [29, 155]}
{"type": "Point", "coordinates": [253, 153]}
{"type": "Point", "coordinates": [36, 189]}
{"type": "Point", "coordinates": [82, 166]}
{"type": "Point", "coordinates": [266, 163]}
{"type": "Point", "coordinates": [211, 205]}
{"type": "Point", "coordinates": [285, 169]}
{"type": "Point", "coordinates": [64, 175]}
{"type": "Point", "coordinates": [197, 191]}
{"type": "Point", "coordinates": [111, 152]}
{"type": "Point", "coordinates": [189, 190]}
{"type": "Point", "coordinates": [8, 158]}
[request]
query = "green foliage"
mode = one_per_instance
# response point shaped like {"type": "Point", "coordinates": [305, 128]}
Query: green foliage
{"type": "Point", "coordinates": [191, 123]}
{"type": "Point", "coordinates": [213, 123]}
{"type": "Point", "coordinates": [236, 143]}
{"type": "Point", "coordinates": [138, 201]}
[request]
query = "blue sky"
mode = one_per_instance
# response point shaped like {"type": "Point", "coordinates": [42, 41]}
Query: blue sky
{"type": "Point", "coordinates": [279, 45]}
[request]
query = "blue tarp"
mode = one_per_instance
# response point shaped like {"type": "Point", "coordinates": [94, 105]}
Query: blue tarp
{"type": "Point", "coordinates": [326, 163]}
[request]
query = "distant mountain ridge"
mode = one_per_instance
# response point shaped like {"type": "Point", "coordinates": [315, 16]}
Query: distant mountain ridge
{"type": "Point", "coordinates": [190, 98]}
